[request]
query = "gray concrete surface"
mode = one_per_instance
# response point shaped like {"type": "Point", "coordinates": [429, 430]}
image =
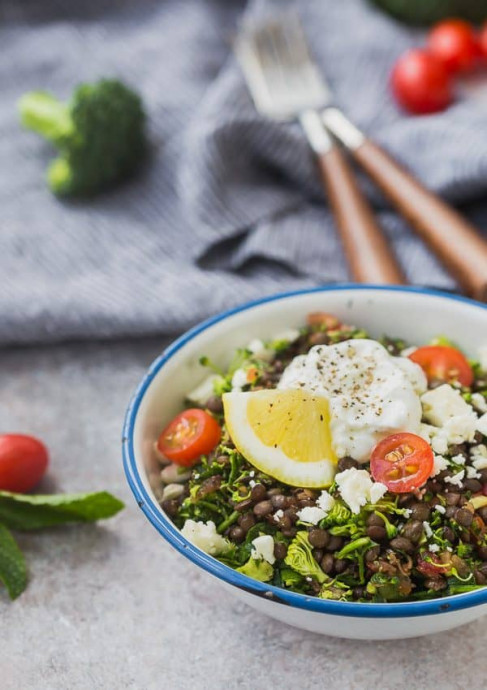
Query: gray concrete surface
{"type": "Point", "coordinates": [113, 607]}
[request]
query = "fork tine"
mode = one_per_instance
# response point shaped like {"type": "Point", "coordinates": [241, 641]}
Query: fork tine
{"type": "Point", "coordinates": [278, 67]}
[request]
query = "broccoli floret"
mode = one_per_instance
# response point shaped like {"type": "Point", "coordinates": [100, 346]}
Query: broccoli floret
{"type": "Point", "coordinates": [257, 569]}
{"type": "Point", "coordinates": [300, 558]}
{"type": "Point", "coordinates": [99, 134]}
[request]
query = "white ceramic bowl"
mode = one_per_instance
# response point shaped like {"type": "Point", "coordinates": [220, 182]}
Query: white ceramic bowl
{"type": "Point", "coordinates": [414, 314]}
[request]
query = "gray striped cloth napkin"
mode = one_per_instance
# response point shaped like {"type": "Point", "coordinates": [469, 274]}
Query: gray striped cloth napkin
{"type": "Point", "coordinates": [229, 207]}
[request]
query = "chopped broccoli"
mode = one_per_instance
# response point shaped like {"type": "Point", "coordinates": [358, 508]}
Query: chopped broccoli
{"type": "Point", "coordinates": [389, 588]}
{"type": "Point", "coordinates": [99, 134]}
{"type": "Point", "coordinates": [300, 558]}
{"type": "Point", "coordinates": [290, 578]}
{"type": "Point", "coordinates": [258, 569]}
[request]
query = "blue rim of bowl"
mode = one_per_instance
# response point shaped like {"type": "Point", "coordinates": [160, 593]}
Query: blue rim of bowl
{"type": "Point", "coordinates": [165, 527]}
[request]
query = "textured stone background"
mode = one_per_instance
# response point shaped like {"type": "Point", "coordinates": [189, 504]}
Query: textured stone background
{"type": "Point", "coordinates": [113, 607]}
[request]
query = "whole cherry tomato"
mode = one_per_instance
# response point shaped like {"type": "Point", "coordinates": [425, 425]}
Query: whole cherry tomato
{"type": "Point", "coordinates": [420, 82]}
{"type": "Point", "coordinates": [189, 435]}
{"type": "Point", "coordinates": [403, 462]}
{"type": "Point", "coordinates": [454, 42]}
{"type": "Point", "coordinates": [482, 41]}
{"type": "Point", "coordinates": [23, 462]}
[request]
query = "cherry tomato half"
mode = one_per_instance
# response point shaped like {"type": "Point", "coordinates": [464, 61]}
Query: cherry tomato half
{"type": "Point", "coordinates": [454, 42]}
{"type": "Point", "coordinates": [322, 318]}
{"type": "Point", "coordinates": [420, 82]}
{"type": "Point", "coordinates": [403, 462]}
{"type": "Point", "coordinates": [23, 462]}
{"type": "Point", "coordinates": [191, 433]}
{"type": "Point", "coordinates": [444, 363]}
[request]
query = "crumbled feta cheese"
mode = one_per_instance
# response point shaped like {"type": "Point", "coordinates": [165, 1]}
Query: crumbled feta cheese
{"type": "Point", "coordinates": [259, 350]}
{"type": "Point", "coordinates": [263, 549]}
{"type": "Point", "coordinates": [427, 432]}
{"type": "Point", "coordinates": [291, 334]}
{"type": "Point", "coordinates": [407, 512]}
{"type": "Point", "coordinates": [357, 488]}
{"type": "Point", "coordinates": [377, 490]}
{"type": "Point", "coordinates": [456, 480]}
{"type": "Point", "coordinates": [483, 357]}
{"type": "Point", "coordinates": [239, 380]}
{"type": "Point", "coordinates": [205, 390]}
{"type": "Point", "coordinates": [311, 515]}
{"type": "Point", "coordinates": [205, 537]}
{"type": "Point", "coordinates": [479, 402]}
{"type": "Point", "coordinates": [408, 351]}
{"type": "Point", "coordinates": [449, 548]}
{"type": "Point", "coordinates": [472, 473]}
{"type": "Point", "coordinates": [460, 429]}
{"type": "Point", "coordinates": [252, 483]}
{"type": "Point", "coordinates": [439, 442]}
{"type": "Point", "coordinates": [325, 501]}
{"type": "Point", "coordinates": [278, 515]}
{"type": "Point", "coordinates": [252, 473]}
{"type": "Point", "coordinates": [434, 548]}
{"type": "Point", "coordinates": [444, 403]}
{"type": "Point", "coordinates": [455, 431]}
{"type": "Point", "coordinates": [440, 509]}
{"type": "Point", "coordinates": [479, 456]}
{"type": "Point", "coordinates": [439, 464]}
{"type": "Point", "coordinates": [427, 529]}
{"type": "Point", "coordinates": [458, 459]}
{"type": "Point", "coordinates": [482, 424]}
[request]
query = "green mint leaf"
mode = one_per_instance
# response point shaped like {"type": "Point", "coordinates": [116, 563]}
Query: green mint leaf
{"type": "Point", "coordinates": [26, 512]}
{"type": "Point", "coordinates": [13, 571]}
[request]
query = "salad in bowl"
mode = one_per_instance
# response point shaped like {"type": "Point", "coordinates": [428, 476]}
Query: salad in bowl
{"type": "Point", "coordinates": [324, 454]}
{"type": "Point", "coordinates": [336, 465]}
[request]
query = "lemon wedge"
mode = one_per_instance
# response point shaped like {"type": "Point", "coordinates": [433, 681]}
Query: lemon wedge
{"type": "Point", "coordinates": [284, 433]}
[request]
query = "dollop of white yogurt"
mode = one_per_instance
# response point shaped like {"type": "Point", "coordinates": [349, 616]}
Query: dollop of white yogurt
{"type": "Point", "coordinates": [371, 393]}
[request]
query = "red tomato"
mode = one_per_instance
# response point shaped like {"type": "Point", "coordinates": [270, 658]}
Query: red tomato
{"type": "Point", "coordinates": [421, 83]}
{"type": "Point", "coordinates": [403, 462]}
{"type": "Point", "coordinates": [454, 42]}
{"type": "Point", "coordinates": [430, 565]}
{"type": "Point", "coordinates": [482, 41]}
{"type": "Point", "coordinates": [23, 462]}
{"type": "Point", "coordinates": [190, 434]}
{"type": "Point", "coordinates": [322, 318]}
{"type": "Point", "coordinates": [444, 363]}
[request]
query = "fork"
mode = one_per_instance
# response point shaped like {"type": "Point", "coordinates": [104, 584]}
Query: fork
{"type": "Point", "coordinates": [456, 242]}
{"type": "Point", "coordinates": [286, 85]}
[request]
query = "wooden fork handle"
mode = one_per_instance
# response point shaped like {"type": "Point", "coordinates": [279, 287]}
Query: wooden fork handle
{"type": "Point", "coordinates": [368, 253]}
{"type": "Point", "coordinates": [452, 238]}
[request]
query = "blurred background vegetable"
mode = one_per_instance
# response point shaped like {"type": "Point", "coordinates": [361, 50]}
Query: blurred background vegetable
{"type": "Point", "coordinates": [23, 463]}
{"type": "Point", "coordinates": [430, 11]}
{"type": "Point", "coordinates": [423, 79]}
{"type": "Point", "coordinates": [99, 134]}
{"type": "Point", "coordinates": [420, 83]}
{"type": "Point", "coordinates": [25, 513]}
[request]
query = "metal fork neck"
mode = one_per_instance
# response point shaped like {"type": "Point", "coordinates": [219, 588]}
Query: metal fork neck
{"type": "Point", "coordinates": [318, 138]}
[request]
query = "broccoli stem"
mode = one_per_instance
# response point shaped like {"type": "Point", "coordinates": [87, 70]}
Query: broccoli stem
{"type": "Point", "coordinates": [59, 175]}
{"type": "Point", "coordinates": [46, 115]}
{"type": "Point", "coordinates": [229, 521]}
